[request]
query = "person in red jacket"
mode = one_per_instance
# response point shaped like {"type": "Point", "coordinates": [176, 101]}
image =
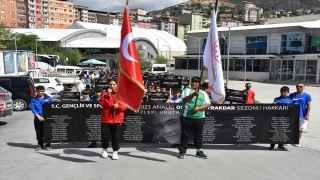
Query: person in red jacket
{"type": "Point", "coordinates": [111, 119]}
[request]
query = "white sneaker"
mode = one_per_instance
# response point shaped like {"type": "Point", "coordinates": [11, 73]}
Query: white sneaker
{"type": "Point", "coordinates": [296, 145]}
{"type": "Point", "coordinates": [115, 155]}
{"type": "Point", "coordinates": [104, 153]}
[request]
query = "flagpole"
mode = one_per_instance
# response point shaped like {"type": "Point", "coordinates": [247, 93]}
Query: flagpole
{"type": "Point", "coordinates": [114, 110]}
{"type": "Point", "coordinates": [201, 74]}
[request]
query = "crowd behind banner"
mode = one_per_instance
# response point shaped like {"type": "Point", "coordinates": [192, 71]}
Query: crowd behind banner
{"type": "Point", "coordinates": [159, 88]}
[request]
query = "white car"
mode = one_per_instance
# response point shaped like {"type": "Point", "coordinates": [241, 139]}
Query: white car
{"type": "Point", "coordinates": [49, 82]}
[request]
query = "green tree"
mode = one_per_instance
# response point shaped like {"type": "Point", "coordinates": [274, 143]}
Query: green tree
{"type": "Point", "coordinates": [6, 37]}
{"type": "Point", "coordinates": [29, 42]}
{"type": "Point", "coordinates": [67, 56]}
{"type": "Point", "coordinates": [266, 15]}
{"type": "Point", "coordinates": [161, 60]}
{"type": "Point", "coordinates": [74, 56]}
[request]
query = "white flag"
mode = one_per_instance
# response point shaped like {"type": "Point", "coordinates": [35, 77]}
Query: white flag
{"type": "Point", "coordinates": [212, 60]}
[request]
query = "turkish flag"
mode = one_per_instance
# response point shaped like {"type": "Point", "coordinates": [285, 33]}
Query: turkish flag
{"type": "Point", "coordinates": [130, 89]}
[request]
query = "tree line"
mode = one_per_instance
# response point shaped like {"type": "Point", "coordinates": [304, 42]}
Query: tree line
{"type": "Point", "coordinates": [29, 42]}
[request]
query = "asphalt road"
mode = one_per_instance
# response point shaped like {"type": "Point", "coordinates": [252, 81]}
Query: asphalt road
{"type": "Point", "coordinates": [18, 160]}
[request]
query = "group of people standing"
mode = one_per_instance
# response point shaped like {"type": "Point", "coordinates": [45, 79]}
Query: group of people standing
{"type": "Point", "coordinates": [195, 102]}
{"type": "Point", "coordinates": [299, 97]}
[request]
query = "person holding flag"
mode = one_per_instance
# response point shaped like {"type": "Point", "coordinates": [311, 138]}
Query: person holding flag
{"type": "Point", "coordinates": [119, 96]}
{"type": "Point", "coordinates": [196, 101]}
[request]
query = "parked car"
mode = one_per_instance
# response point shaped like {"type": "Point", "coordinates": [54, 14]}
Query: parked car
{"type": "Point", "coordinates": [49, 82]}
{"type": "Point", "coordinates": [54, 94]}
{"type": "Point", "coordinates": [6, 97]}
{"type": "Point", "coordinates": [22, 89]}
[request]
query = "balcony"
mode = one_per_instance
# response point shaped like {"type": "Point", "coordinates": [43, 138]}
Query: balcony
{"type": "Point", "coordinates": [45, 9]}
{"type": "Point", "coordinates": [31, 7]}
{"type": "Point", "coordinates": [21, 14]}
{"type": "Point", "coordinates": [32, 20]}
{"type": "Point", "coordinates": [31, 2]}
{"type": "Point", "coordinates": [31, 14]}
{"type": "Point", "coordinates": [21, 20]}
{"type": "Point", "coordinates": [45, 4]}
{"type": "Point", "coordinates": [45, 14]}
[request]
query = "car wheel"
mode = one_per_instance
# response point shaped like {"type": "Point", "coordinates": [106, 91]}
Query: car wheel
{"type": "Point", "coordinates": [19, 105]}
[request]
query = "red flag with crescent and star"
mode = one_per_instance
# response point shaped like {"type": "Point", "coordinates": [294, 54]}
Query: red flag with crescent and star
{"type": "Point", "coordinates": [130, 89]}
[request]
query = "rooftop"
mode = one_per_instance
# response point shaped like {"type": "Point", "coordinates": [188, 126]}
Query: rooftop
{"type": "Point", "coordinates": [93, 35]}
{"type": "Point", "coordinates": [307, 24]}
{"type": "Point", "coordinates": [154, 36]}
{"type": "Point", "coordinates": [294, 19]}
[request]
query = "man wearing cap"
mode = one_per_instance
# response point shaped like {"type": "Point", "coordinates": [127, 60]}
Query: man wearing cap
{"type": "Point", "coordinates": [192, 118]}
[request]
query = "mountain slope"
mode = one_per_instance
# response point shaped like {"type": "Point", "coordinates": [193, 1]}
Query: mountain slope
{"type": "Point", "coordinates": [280, 4]}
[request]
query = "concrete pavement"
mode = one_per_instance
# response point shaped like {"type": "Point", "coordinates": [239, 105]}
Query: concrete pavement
{"type": "Point", "coordinates": [18, 160]}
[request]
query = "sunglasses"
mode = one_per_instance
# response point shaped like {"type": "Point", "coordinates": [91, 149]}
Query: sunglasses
{"type": "Point", "coordinates": [299, 86]}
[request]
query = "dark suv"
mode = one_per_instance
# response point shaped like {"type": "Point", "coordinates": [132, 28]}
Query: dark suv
{"type": "Point", "coordinates": [22, 89]}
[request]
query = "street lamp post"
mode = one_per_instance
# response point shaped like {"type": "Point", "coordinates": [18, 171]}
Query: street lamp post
{"type": "Point", "coordinates": [245, 60]}
{"type": "Point", "coordinates": [37, 53]}
{"type": "Point", "coordinates": [158, 45]}
{"type": "Point", "coordinates": [167, 52]}
{"type": "Point", "coordinates": [15, 42]}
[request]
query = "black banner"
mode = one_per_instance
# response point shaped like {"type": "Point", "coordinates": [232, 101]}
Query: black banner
{"type": "Point", "coordinates": [173, 82]}
{"type": "Point", "coordinates": [153, 79]}
{"type": "Point", "coordinates": [102, 83]}
{"type": "Point", "coordinates": [236, 96]}
{"type": "Point", "coordinates": [185, 81]}
{"type": "Point", "coordinates": [70, 96]}
{"type": "Point", "coordinates": [154, 97]}
{"type": "Point", "coordinates": [159, 122]}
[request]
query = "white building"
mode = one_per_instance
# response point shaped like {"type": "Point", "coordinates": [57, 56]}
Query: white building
{"type": "Point", "coordinates": [284, 52]}
{"type": "Point", "coordinates": [102, 42]}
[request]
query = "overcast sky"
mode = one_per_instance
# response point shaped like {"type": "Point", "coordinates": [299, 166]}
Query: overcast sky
{"type": "Point", "coordinates": [118, 5]}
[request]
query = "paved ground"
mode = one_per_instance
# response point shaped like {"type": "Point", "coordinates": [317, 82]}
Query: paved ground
{"type": "Point", "coordinates": [18, 160]}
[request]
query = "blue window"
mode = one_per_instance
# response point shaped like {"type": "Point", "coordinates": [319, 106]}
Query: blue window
{"type": "Point", "coordinates": [256, 44]}
{"type": "Point", "coordinates": [223, 45]}
{"type": "Point", "coordinates": [291, 43]}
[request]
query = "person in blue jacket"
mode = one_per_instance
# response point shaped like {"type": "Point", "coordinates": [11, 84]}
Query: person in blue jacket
{"type": "Point", "coordinates": [95, 98]}
{"type": "Point", "coordinates": [282, 99]}
{"type": "Point", "coordinates": [36, 108]}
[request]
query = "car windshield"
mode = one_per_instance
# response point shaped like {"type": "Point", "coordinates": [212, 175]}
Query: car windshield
{"type": "Point", "coordinates": [2, 90]}
{"type": "Point", "coordinates": [57, 80]}
{"type": "Point", "coordinates": [158, 68]}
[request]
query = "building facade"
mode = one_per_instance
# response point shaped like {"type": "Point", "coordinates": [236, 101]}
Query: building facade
{"type": "Point", "coordinates": [281, 52]}
{"type": "Point", "coordinates": [61, 14]}
{"type": "Point", "coordinates": [248, 12]}
{"type": "Point", "coordinates": [21, 14]}
{"type": "Point", "coordinates": [93, 17]}
{"type": "Point", "coordinates": [138, 11]}
{"type": "Point", "coordinates": [80, 13]}
{"type": "Point", "coordinates": [8, 13]}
